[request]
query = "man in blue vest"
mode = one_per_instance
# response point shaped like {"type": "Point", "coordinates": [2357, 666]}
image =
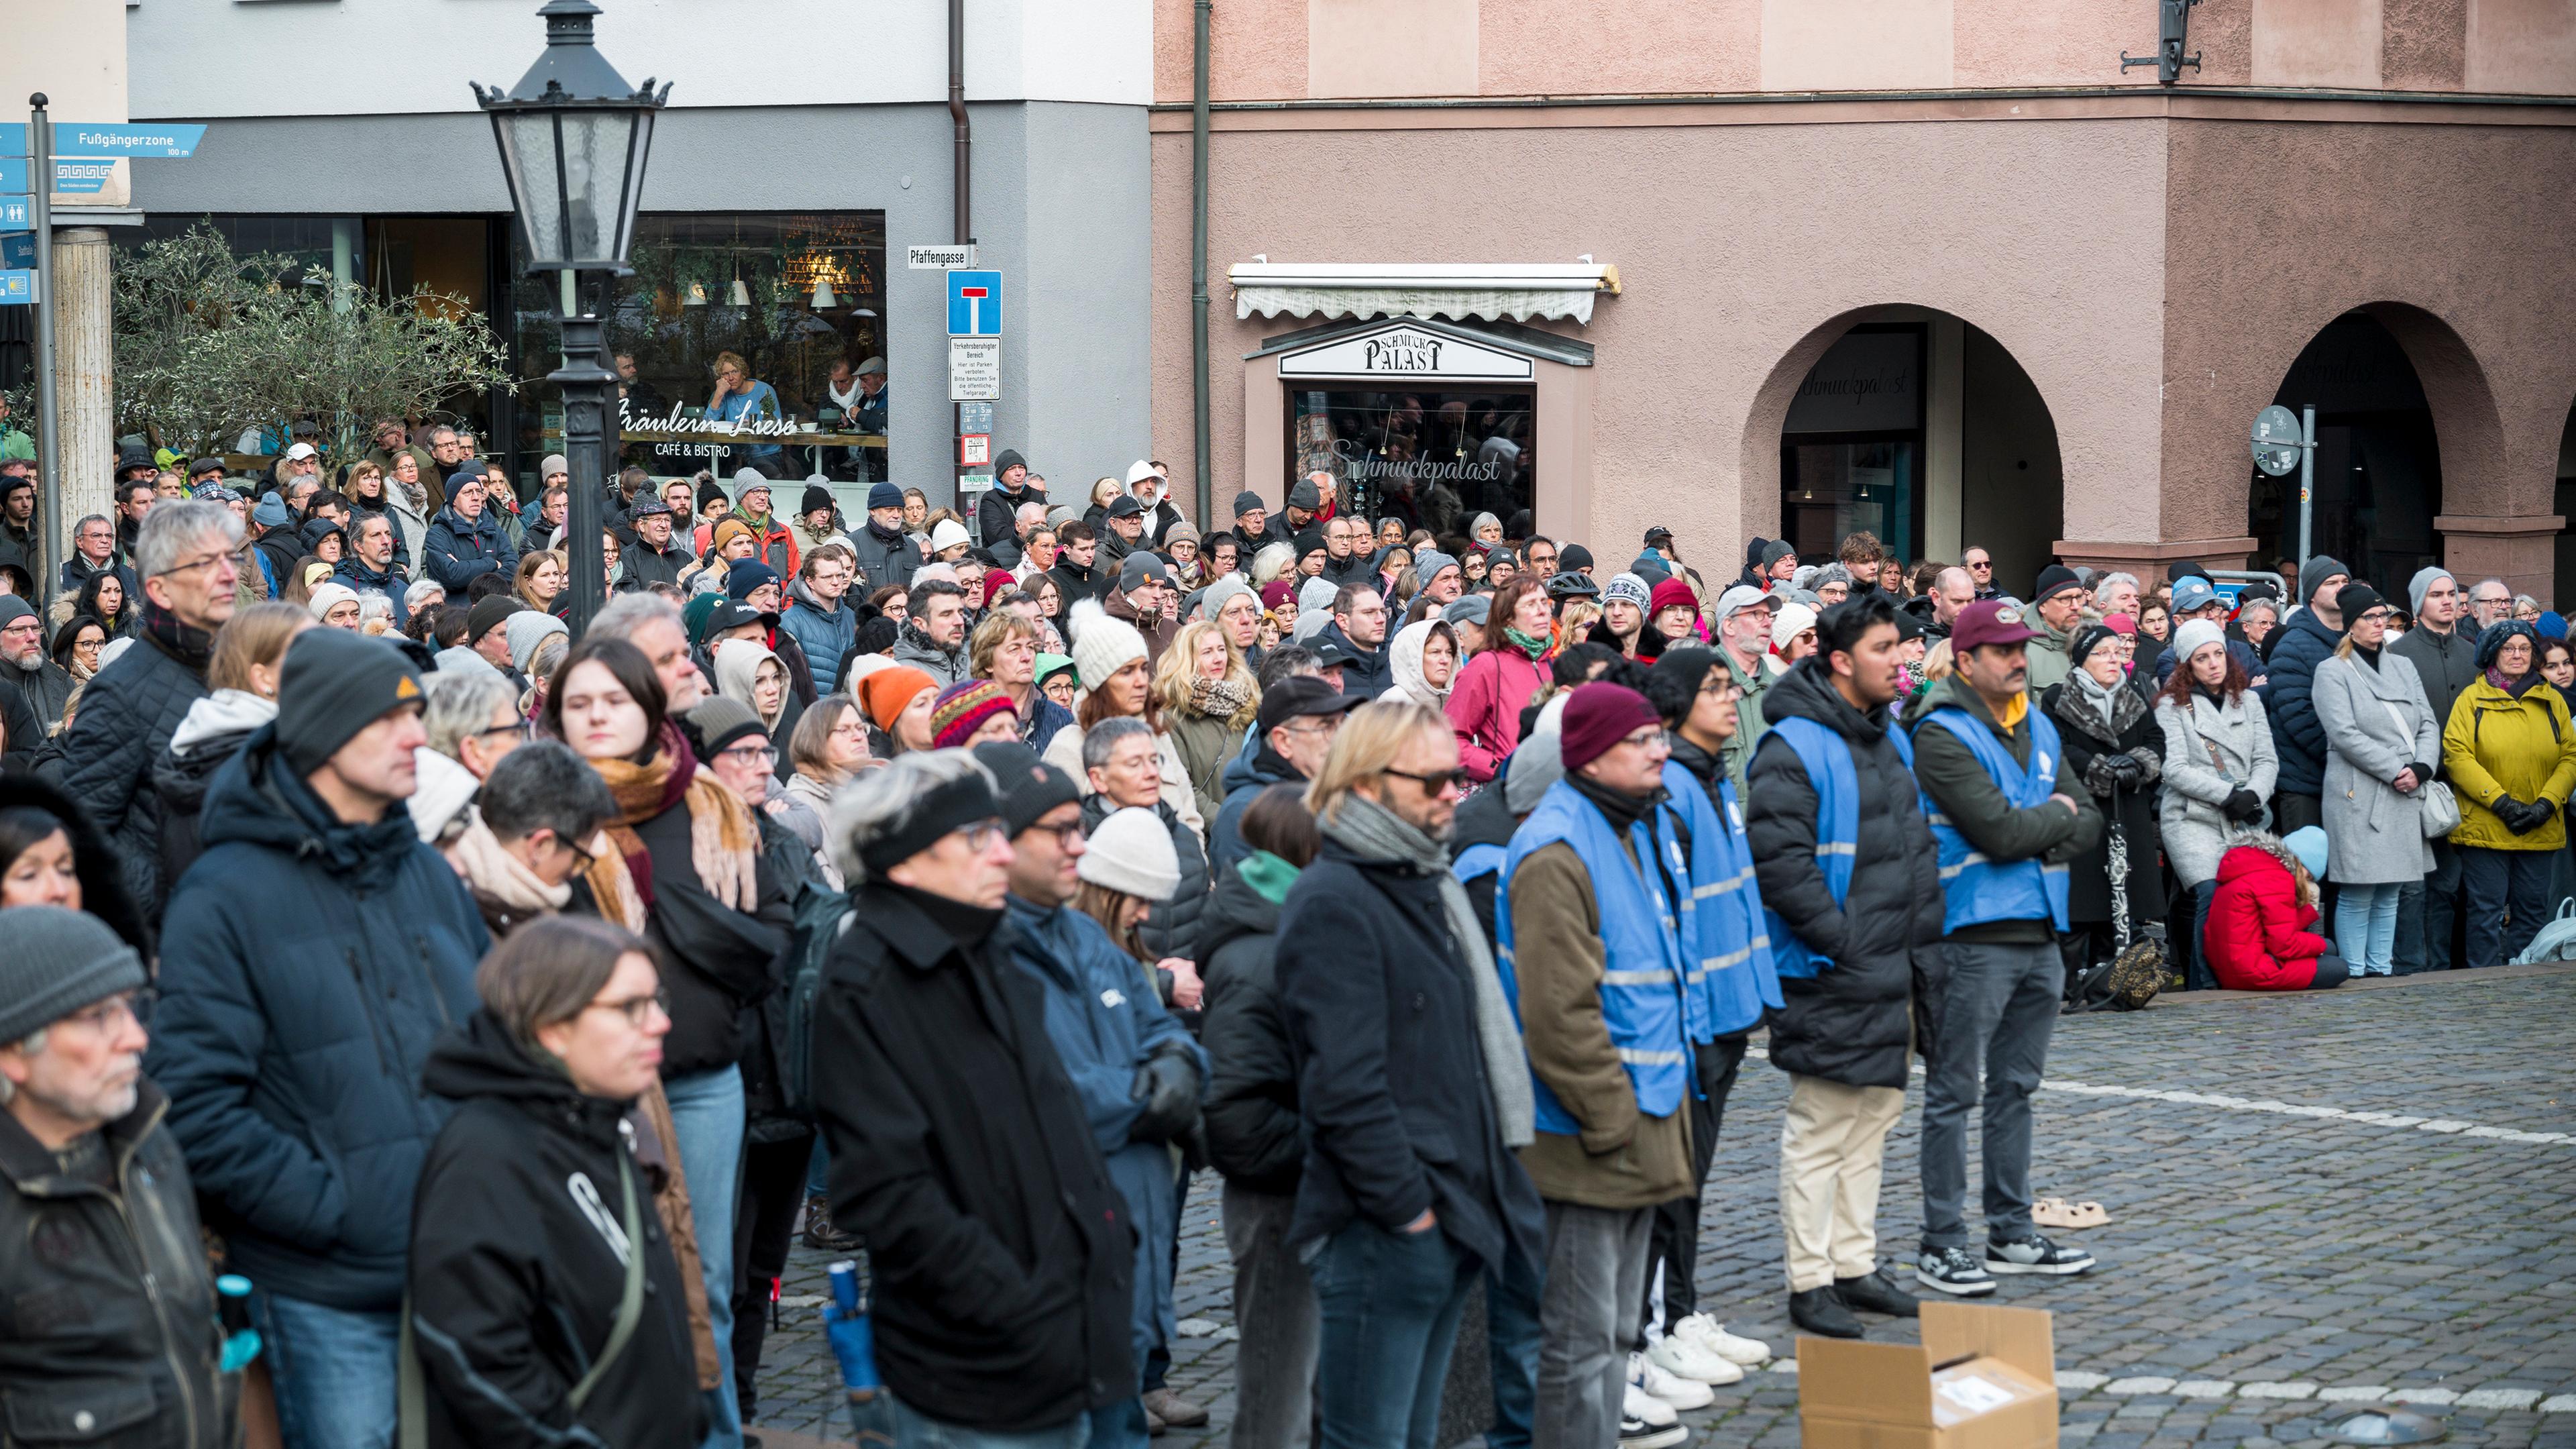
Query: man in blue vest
{"type": "Point", "coordinates": [1852, 895]}
{"type": "Point", "coordinates": [2007, 812]}
{"type": "Point", "coordinates": [1589, 920]}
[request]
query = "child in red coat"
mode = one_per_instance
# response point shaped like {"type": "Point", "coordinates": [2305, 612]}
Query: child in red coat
{"type": "Point", "coordinates": [2259, 936]}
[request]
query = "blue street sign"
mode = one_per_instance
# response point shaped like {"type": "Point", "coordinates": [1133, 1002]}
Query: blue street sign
{"type": "Point", "coordinates": [18, 249]}
{"type": "Point", "coordinates": [14, 214]}
{"type": "Point", "coordinates": [71, 178]}
{"type": "Point", "coordinates": [75, 138]}
{"type": "Point", "coordinates": [17, 288]}
{"type": "Point", "coordinates": [974, 304]}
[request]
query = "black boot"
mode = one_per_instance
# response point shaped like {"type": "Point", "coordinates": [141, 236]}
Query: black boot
{"type": "Point", "coordinates": [1876, 1293]}
{"type": "Point", "coordinates": [1821, 1310]}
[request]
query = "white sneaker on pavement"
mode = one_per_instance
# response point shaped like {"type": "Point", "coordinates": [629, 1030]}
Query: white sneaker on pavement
{"type": "Point", "coordinates": [1672, 1388]}
{"type": "Point", "coordinates": [1646, 1408]}
{"type": "Point", "coordinates": [1709, 1334]}
{"type": "Point", "coordinates": [1688, 1358]}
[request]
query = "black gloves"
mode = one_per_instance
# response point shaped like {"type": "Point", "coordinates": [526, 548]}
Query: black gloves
{"type": "Point", "coordinates": [2243, 806]}
{"type": "Point", "coordinates": [1168, 1085]}
{"type": "Point", "coordinates": [2523, 816]}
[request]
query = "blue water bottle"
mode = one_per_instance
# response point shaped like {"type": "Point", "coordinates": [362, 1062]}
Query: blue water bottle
{"type": "Point", "coordinates": [845, 1324]}
{"type": "Point", "coordinates": [232, 1308]}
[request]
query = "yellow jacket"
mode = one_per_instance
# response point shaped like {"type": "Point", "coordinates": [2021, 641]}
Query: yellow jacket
{"type": "Point", "coordinates": [2496, 745]}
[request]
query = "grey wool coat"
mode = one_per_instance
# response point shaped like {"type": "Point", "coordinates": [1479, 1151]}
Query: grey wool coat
{"type": "Point", "coordinates": [2377, 722]}
{"type": "Point", "coordinates": [2210, 752]}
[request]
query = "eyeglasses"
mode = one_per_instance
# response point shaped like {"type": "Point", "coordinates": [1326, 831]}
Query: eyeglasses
{"type": "Point", "coordinates": [1439, 782]}
{"type": "Point", "coordinates": [637, 1010]}
{"type": "Point", "coordinates": [521, 728]}
{"type": "Point", "coordinates": [981, 834]}
{"type": "Point", "coordinates": [1065, 835]}
{"type": "Point", "coordinates": [751, 754]}
{"type": "Point", "coordinates": [190, 568]}
{"type": "Point", "coordinates": [136, 1004]}
{"type": "Point", "coordinates": [1648, 740]}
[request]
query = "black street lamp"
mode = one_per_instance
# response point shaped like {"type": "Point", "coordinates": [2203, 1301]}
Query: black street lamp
{"type": "Point", "coordinates": [573, 139]}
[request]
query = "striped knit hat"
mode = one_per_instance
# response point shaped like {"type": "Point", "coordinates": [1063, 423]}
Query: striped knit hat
{"type": "Point", "coordinates": [962, 708]}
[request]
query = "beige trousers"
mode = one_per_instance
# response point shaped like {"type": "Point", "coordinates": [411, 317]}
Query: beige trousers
{"type": "Point", "coordinates": [1831, 1148]}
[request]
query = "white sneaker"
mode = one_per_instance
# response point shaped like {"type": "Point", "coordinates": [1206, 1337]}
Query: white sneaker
{"type": "Point", "coordinates": [1709, 1334]}
{"type": "Point", "coordinates": [1672, 1388]}
{"type": "Point", "coordinates": [1646, 1408]}
{"type": "Point", "coordinates": [1688, 1358]}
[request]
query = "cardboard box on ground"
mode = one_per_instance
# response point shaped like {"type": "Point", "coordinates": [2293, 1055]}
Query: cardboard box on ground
{"type": "Point", "coordinates": [1982, 1378]}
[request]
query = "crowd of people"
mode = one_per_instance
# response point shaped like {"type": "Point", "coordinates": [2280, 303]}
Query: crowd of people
{"type": "Point", "coordinates": [501, 1004]}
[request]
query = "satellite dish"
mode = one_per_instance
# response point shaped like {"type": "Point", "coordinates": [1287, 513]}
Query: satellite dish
{"type": "Point", "coordinates": [2276, 441]}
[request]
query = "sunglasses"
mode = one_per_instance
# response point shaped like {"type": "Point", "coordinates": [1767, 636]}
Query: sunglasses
{"type": "Point", "coordinates": [1438, 781]}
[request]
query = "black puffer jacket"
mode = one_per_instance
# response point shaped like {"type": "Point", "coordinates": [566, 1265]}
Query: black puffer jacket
{"type": "Point", "coordinates": [1171, 927]}
{"type": "Point", "coordinates": [1251, 1106]}
{"type": "Point", "coordinates": [518, 1263]}
{"type": "Point", "coordinates": [111, 1339]}
{"type": "Point", "coordinates": [126, 718]}
{"type": "Point", "coordinates": [1849, 1023]}
{"type": "Point", "coordinates": [102, 879]}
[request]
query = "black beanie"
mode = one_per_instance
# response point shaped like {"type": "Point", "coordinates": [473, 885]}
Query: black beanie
{"type": "Point", "coordinates": [711, 492]}
{"type": "Point", "coordinates": [1026, 786]}
{"type": "Point", "coordinates": [2356, 599]}
{"type": "Point", "coordinates": [816, 496]}
{"type": "Point", "coordinates": [334, 684]}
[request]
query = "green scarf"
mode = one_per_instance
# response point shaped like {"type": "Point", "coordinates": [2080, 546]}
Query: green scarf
{"type": "Point", "coordinates": [1268, 875]}
{"type": "Point", "coordinates": [1535, 646]}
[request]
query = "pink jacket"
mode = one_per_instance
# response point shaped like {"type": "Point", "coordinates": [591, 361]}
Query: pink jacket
{"type": "Point", "coordinates": [1485, 707]}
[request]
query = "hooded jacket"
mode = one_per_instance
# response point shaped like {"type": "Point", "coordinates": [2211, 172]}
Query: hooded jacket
{"type": "Point", "coordinates": [457, 551]}
{"type": "Point", "coordinates": [913, 647]}
{"type": "Point", "coordinates": [519, 1260]}
{"type": "Point", "coordinates": [1005, 1259]}
{"type": "Point", "coordinates": [211, 733]}
{"type": "Point", "coordinates": [2298, 736]}
{"type": "Point", "coordinates": [1251, 1106]}
{"type": "Point", "coordinates": [126, 718]}
{"type": "Point", "coordinates": [2259, 937]}
{"type": "Point", "coordinates": [824, 634]}
{"type": "Point", "coordinates": [1246, 776]}
{"type": "Point", "coordinates": [307, 967]}
{"type": "Point", "coordinates": [2502, 744]}
{"type": "Point", "coordinates": [1485, 707]}
{"type": "Point", "coordinates": [113, 1340]}
{"type": "Point", "coordinates": [1158, 630]}
{"type": "Point", "coordinates": [1371, 672]}
{"type": "Point", "coordinates": [1849, 1023]}
{"type": "Point", "coordinates": [354, 572]}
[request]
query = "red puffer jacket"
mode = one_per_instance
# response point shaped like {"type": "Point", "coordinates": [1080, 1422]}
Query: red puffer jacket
{"type": "Point", "coordinates": [2258, 937]}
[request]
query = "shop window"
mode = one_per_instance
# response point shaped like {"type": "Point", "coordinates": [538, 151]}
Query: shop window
{"type": "Point", "coordinates": [789, 305]}
{"type": "Point", "coordinates": [1432, 457]}
{"type": "Point", "coordinates": [1851, 449]}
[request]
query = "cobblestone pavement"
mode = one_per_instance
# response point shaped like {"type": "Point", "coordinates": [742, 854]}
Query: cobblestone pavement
{"type": "Point", "coordinates": [2333, 1198]}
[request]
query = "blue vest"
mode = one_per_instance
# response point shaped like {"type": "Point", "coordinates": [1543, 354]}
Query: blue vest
{"type": "Point", "coordinates": [1827, 759]}
{"type": "Point", "coordinates": [1482, 858]}
{"type": "Point", "coordinates": [1645, 993]}
{"type": "Point", "coordinates": [1978, 890]}
{"type": "Point", "coordinates": [1722, 928]}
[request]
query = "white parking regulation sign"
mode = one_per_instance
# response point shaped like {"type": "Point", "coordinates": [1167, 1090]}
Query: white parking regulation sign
{"type": "Point", "coordinates": [974, 369]}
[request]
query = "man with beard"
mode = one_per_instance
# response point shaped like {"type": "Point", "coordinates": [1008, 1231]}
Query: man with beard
{"type": "Point", "coordinates": [887, 556]}
{"type": "Point", "coordinates": [934, 635]}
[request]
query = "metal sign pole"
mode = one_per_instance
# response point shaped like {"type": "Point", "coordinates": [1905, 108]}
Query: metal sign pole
{"type": "Point", "coordinates": [40, 212]}
{"type": "Point", "coordinates": [2307, 477]}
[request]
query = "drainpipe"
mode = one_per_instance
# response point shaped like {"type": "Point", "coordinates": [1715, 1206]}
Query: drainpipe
{"type": "Point", "coordinates": [1198, 261]}
{"type": "Point", "coordinates": [963, 165]}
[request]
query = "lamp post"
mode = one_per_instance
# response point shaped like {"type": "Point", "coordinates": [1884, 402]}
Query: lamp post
{"type": "Point", "coordinates": [573, 138]}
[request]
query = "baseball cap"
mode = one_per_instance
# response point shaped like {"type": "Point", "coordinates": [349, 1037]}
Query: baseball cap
{"type": "Point", "coordinates": [1299, 695]}
{"type": "Point", "coordinates": [1994, 621]}
{"type": "Point", "coordinates": [1124, 506]}
{"type": "Point", "coordinates": [728, 614]}
{"type": "Point", "coordinates": [1469, 609]}
{"type": "Point", "coordinates": [1329, 654]}
{"type": "Point", "coordinates": [1741, 597]}
{"type": "Point", "coordinates": [2192, 592]}
{"type": "Point", "coordinates": [298, 452]}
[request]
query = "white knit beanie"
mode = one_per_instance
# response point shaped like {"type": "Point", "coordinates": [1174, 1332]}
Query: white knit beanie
{"type": "Point", "coordinates": [1102, 644]}
{"type": "Point", "coordinates": [2188, 639]}
{"type": "Point", "coordinates": [1131, 851]}
{"type": "Point", "coordinates": [327, 595]}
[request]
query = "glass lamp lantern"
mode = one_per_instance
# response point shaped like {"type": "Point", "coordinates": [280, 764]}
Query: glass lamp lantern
{"type": "Point", "coordinates": [573, 138]}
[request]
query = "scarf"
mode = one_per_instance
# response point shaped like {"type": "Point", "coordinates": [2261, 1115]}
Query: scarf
{"type": "Point", "coordinates": [1370, 830]}
{"type": "Point", "coordinates": [724, 839]}
{"type": "Point", "coordinates": [2515, 687]}
{"type": "Point", "coordinates": [189, 645]}
{"type": "Point", "coordinates": [495, 872]}
{"type": "Point", "coordinates": [1221, 699]}
{"type": "Point", "coordinates": [2098, 695]}
{"type": "Point", "coordinates": [1268, 875]}
{"type": "Point", "coordinates": [1536, 646]}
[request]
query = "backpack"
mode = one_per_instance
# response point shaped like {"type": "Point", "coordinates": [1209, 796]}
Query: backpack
{"type": "Point", "coordinates": [2139, 968]}
{"type": "Point", "coordinates": [822, 913]}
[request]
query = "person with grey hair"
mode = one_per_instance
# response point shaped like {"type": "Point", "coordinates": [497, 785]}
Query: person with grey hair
{"type": "Point", "coordinates": [1831, 584]}
{"type": "Point", "coordinates": [86, 1160]}
{"type": "Point", "coordinates": [185, 553]}
{"type": "Point", "coordinates": [93, 552]}
{"type": "Point", "coordinates": [533, 834]}
{"type": "Point", "coordinates": [653, 624]}
{"type": "Point", "coordinates": [959, 1147]}
{"type": "Point", "coordinates": [1122, 765]}
{"type": "Point", "coordinates": [472, 718]}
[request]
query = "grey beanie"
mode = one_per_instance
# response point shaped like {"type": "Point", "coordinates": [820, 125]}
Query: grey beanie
{"type": "Point", "coordinates": [526, 630]}
{"type": "Point", "coordinates": [1469, 609]}
{"type": "Point", "coordinates": [1316, 595]}
{"type": "Point", "coordinates": [58, 962]}
{"type": "Point", "coordinates": [1540, 760]}
{"type": "Point", "coordinates": [2423, 582]}
{"type": "Point", "coordinates": [1430, 564]}
{"type": "Point", "coordinates": [2314, 573]}
{"type": "Point", "coordinates": [1215, 596]}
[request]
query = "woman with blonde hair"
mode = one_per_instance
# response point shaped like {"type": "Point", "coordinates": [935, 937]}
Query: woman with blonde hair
{"type": "Point", "coordinates": [1209, 700]}
{"type": "Point", "coordinates": [1272, 561]}
{"type": "Point", "coordinates": [1103, 493]}
{"type": "Point", "coordinates": [1114, 681]}
{"type": "Point", "coordinates": [242, 676]}
{"type": "Point", "coordinates": [540, 581]}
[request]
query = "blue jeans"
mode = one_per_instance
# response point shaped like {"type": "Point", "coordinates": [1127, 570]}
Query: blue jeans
{"type": "Point", "coordinates": [334, 1369]}
{"type": "Point", "coordinates": [818, 1176]}
{"type": "Point", "coordinates": [1390, 1305]}
{"type": "Point", "coordinates": [2366, 927]}
{"type": "Point", "coordinates": [708, 1117]}
{"type": "Point", "coordinates": [1997, 1014]}
{"type": "Point", "coordinates": [1512, 1294]}
{"type": "Point", "coordinates": [2201, 977]}
{"type": "Point", "coordinates": [1116, 1426]}
{"type": "Point", "coordinates": [2498, 881]}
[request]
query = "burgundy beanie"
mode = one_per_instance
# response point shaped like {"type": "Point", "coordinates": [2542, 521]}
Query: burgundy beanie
{"type": "Point", "coordinates": [1599, 715]}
